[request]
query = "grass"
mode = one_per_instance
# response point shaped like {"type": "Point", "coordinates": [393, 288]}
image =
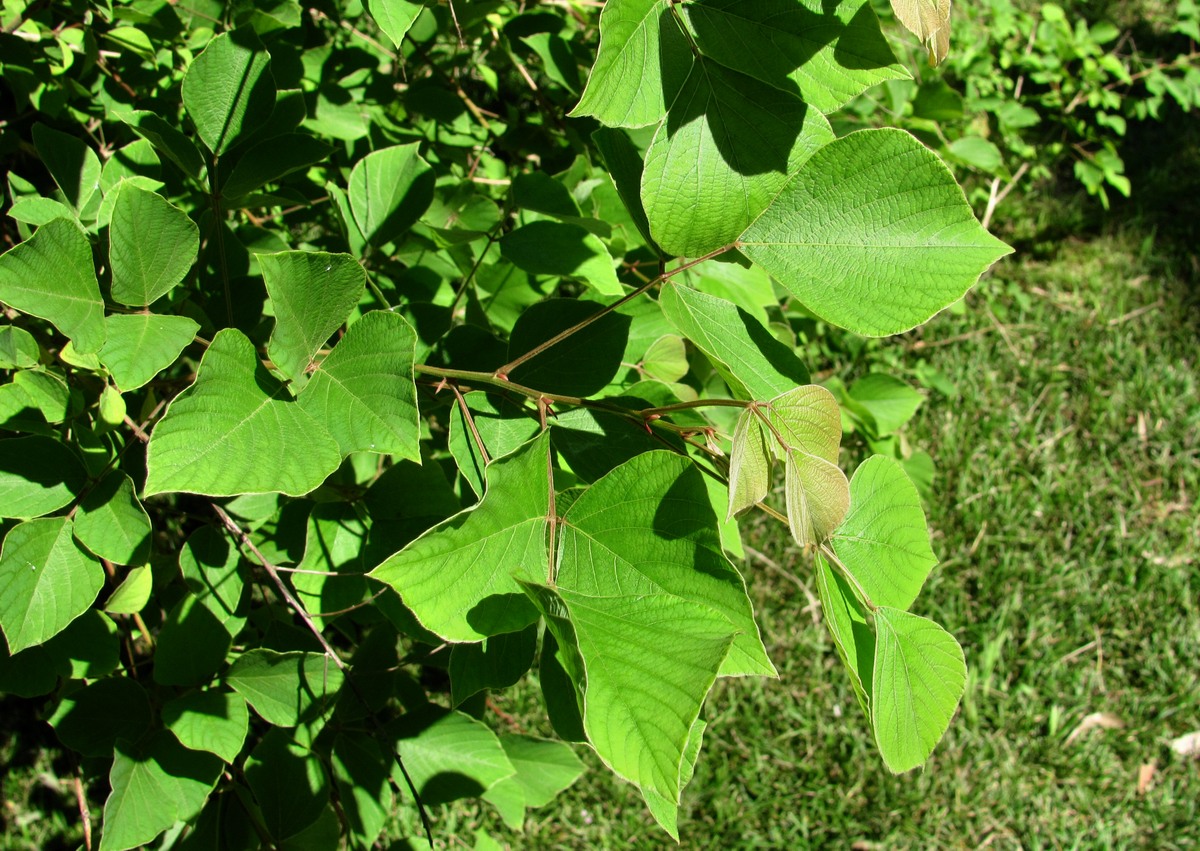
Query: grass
{"type": "Point", "coordinates": [1065, 515]}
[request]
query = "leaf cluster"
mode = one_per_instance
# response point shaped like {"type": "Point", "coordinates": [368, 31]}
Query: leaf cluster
{"type": "Point", "coordinates": [347, 380]}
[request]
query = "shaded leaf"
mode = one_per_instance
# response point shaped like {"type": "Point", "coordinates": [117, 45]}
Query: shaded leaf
{"type": "Point", "coordinates": [389, 190]}
{"type": "Point", "coordinates": [92, 719]}
{"type": "Point", "coordinates": [214, 721]}
{"type": "Point", "coordinates": [112, 523]}
{"type": "Point", "coordinates": [543, 770]}
{"type": "Point", "coordinates": [228, 90]}
{"type": "Point", "coordinates": [565, 250]}
{"type": "Point", "coordinates": [286, 689]}
{"type": "Point", "coordinates": [448, 755]}
{"type": "Point", "coordinates": [38, 475]}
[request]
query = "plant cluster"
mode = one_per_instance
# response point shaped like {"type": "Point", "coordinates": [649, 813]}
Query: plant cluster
{"type": "Point", "coordinates": [1034, 89]}
{"type": "Point", "coordinates": [347, 380]}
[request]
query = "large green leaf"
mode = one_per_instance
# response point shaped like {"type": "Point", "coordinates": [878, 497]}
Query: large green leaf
{"type": "Point", "coordinates": [830, 52]}
{"type": "Point", "coordinates": [873, 234]}
{"type": "Point", "coordinates": [643, 665]}
{"type": "Point", "coordinates": [311, 293]}
{"type": "Point", "coordinates": [543, 770]}
{"type": "Point", "coordinates": [852, 636]}
{"type": "Point", "coordinates": [883, 540]}
{"type": "Point", "coordinates": [494, 663]}
{"type": "Point", "coordinates": [228, 90]}
{"type": "Point", "coordinates": [46, 581]}
{"type": "Point", "coordinates": [363, 392]}
{"type": "Point", "coordinates": [154, 785]}
{"type": "Point", "coordinates": [112, 523]}
{"type": "Point", "coordinates": [580, 365]}
{"type": "Point", "coordinates": [286, 689]}
{"type": "Point", "coordinates": [152, 245]}
{"type": "Point", "coordinates": [642, 62]}
{"type": "Point", "coordinates": [752, 361]}
{"type": "Point", "coordinates": [647, 529]}
{"type": "Point", "coordinates": [725, 148]}
{"type": "Point", "coordinates": [919, 677]}
{"type": "Point", "coordinates": [458, 578]}
{"type": "Point", "coordinates": [361, 771]}
{"type": "Point", "coordinates": [50, 275]}
{"type": "Point", "coordinates": [388, 191]}
{"type": "Point", "coordinates": [37, 475]}
{"type": "Point", "coordinates": [236, 430]}
{"type": "Point", "coordinates": [141, 345]}
{"type": "Point", "coordinates": [208, 562]}
{"type": "Point", "coordinates": [192, 645]}
{"type": "Point", "coordinates": [448, 755]}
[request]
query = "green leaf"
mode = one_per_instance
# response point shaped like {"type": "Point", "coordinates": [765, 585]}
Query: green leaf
{"type": "Point", "coordinates": [214, 721]}
{"type": "Point", "coordinates": [394, 17]}
{"type": "Point", "coordinates": [89, 648]}
{"type": "Point", "coordinates": [333, 545]}
{"type": "Point", "coordinates": [272, 159]}
{"type": "Point", "coordinates": [580, 365]}
{"type": "Point", "coordinates": [286, 689]}
{"type": "Point", "coordinates": [625, 167]}
{"type": "Point", "coordinates": [191, 646]}
{"type": "Point", "coordinates": [642, 62]}
{"type": "Point", "coordinates": [364, 392]}
{"type": "Point", "coordinates": [829, 54]}
{"type": "Point", "coordinates": [563, 250]}
{"type": "Point", "coordinates": [154, 785]}
{"type": "Point", "coordinates": [92, 719]}
{"type": "Point", "coordinates": [132, 595]}
{"type": "Point", "coordinates": [51, 276]}
{"type": "Point", "coordinates": [543, 770]}
{"type": "Point", "coordinates": [666, 359]}
{"type": "Point", "coordinates": [848, 626]}
{"type": "Point", "coordinates": [807, 419]}
{"type": "Point", "coordinates": [361, 771]}
{"type": "Point", "coordinates": [38, 211]}
{"type": "Point", "coordinates": [750, 463]}
{"type": "Point", "coordinates": [152, 245]}
{"type": "Point", "coordinates": [46, 581]}
{"type": "Point", "coordinates": [888, 401]}
{"type": "Point", "coordinates": [722, 153]}
{"type": "Point", "coordinates": [209, 564]}
{"type": "Point", "coordinates": [228, 90]}
{"type": "Point", "coordinates": [644, 665]}
{"type": "Point", "coordinates": [458, 578]}
{"type": "Point", "coordinates": [502, 426]}
{"type": "Point", "coordinates": [37, 475]}
{"type": "Point", "coordinates": [919, 678]}
{"type": "Point", "coordinates": [494, 663]}
{"type": "Point", "coordinates": [18, 348]}
{"type": "Point", "coordinates": [236, 430]}
{"type": "Point", "coordinates": [883, 540]}
{"type": "Point", "coordinates": [977, 152]}
{"type": "Point", "coordinates": [167, 139]}
{"type": "Point", "coordinates": [73, 165]}
{"type": "Point", "coordinates": [666, 812]}
{"type": "Point", "coordinates": [111, 406]}
{"type": "Point", "coordinates": [312, 294]}
{"type": "Point", "coordinates": [648, 529]}
{"type": "Point", "coordinates": [929, 21]}
{"type": "Point", "coordinates": [389, 191]}
{"type": "Point", "coordinates": [747, 356]}
{"type": "Point", "coordinates": [448, 755]}
{"type": "Point", "coordinates": [35, 392]}
{"type": "Point", "coordinates": [873, 234]}
{"type": "Point", "coordinates": [112, 523]}
{"type": "Point", "coordinates": [141, 345]}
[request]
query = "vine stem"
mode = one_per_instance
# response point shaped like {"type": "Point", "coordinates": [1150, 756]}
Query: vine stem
{"type": "Point", "coordinates": [503, 371]}
{"type": "Point", "coordinates": [240, 535]}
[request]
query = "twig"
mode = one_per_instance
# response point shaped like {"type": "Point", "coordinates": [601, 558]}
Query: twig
{"type": "Point", "coordinates": [240, 535]}
{"type": "Point", "coordinates": [85, 813]}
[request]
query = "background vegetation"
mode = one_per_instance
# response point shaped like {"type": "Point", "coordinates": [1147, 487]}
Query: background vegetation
{"type": "Point", "coordinates": [1061, 411]}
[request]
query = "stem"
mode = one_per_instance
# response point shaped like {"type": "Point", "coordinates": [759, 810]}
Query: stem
{"type": "Point", "coordinates": [240, 535]}
{"type": "Point", "coordinates": [604, 311]}
{"type": "Point", "coordinates": [831, 556]}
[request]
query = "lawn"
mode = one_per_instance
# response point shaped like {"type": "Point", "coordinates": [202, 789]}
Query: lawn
{"type": "Point", "coordinates": [1064, 512]}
